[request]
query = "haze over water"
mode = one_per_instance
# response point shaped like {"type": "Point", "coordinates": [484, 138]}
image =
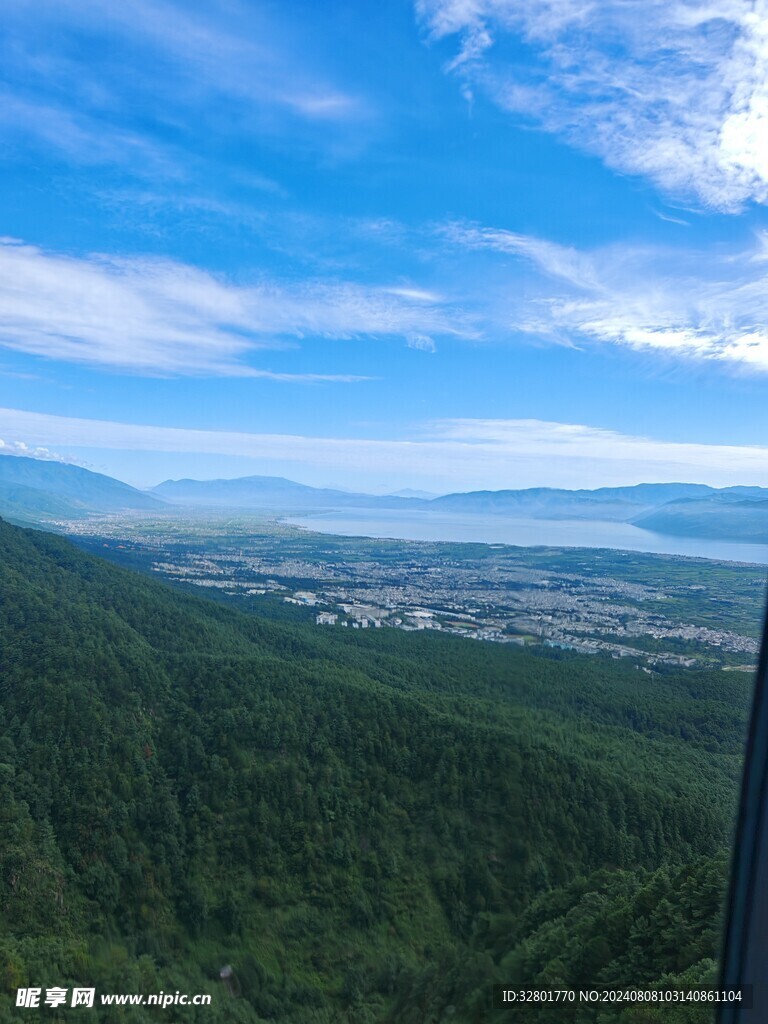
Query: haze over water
{"type": "Point", "coordinates": [522, 532]}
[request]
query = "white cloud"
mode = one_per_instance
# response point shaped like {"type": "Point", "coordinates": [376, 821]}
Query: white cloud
{"type": "Point", "coordinates": [423, 342]}
{"type": "Point", "coordinates": [674, 90]}
{"type": "Point", "coordinates": [32, 452]}
{"type": "Point", "coordinates": [548, 440]}
{"type": "Point", "coordinates": [327, 106]}
{"type": "Point", "coordinates": [418, 294]}
{"type": "Point", "coordinates": [648, 299]}
{"type": "Point", "coordinates": [561, 261]}
{"type": "Point", "coordinates": [160, 317]}
{"type": "Point", "coordinates": [456, 454]}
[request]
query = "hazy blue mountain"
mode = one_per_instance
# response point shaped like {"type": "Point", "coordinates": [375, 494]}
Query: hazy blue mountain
{"type": "Point", "coordinates": [696, 510]}
{"type": "Point", "coordinates": [617, 503]}
{"type": "Point", "coordinates": [272, 492]}
{"type": "Point", "coordinates": [32, 489]}
{"type": "Point", "coordinates": [410, 492]}
{"type": "Point", "coordinates": [604, 503]}
{"type": "Point", "coordinates": [745, 492]}
{"type": "Point", "coordinates": [690, 510]}
{"type": "Point", "coordinates": [725, 516]}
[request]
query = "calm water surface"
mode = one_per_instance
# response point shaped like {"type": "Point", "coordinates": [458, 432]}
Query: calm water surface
{"type": "Point", "coordinates": [572, 533]}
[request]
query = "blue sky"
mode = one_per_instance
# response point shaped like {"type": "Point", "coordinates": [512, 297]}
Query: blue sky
{"type": "Point", "coordinates": [447, 245]}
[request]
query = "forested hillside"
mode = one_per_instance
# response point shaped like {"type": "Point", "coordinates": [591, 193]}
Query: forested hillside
{"type": "Point", "coordinates": [367, 827]}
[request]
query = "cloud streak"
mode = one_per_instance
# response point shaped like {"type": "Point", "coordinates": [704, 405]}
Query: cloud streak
{"type": "Point", "coordinates": [646, 299]}
{"type": "Point", "coordinates": [152, 316]}
{"type": "Point", "coordinates": [448, 454]}
{"type": "Point", "coordinates": [673, 90]}
{"type": "Point", "coordinates": [229, 71]}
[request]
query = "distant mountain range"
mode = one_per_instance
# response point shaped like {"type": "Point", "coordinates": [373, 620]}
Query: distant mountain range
{"type": "Point", "coordinates": [693, 510]}
{"type": "Point", "coordinates": [272, 492]}
{"type": "Point", "coordinates": [409, 492]}
{"type": "Point", "coordinates": [722, 515]}
{"type": "Point", "coordinates": [617, 504]}
{"type": "Point", "coordinates": [685, 510]}
{"type": "Point", "coordinates": [32, 490]}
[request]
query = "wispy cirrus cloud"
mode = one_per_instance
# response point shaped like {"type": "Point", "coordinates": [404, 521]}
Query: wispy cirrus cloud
{"type": "Point", "coordinates": [673, 90]}
{"type": "Point", "coordinates": [228, 51]}
{"type": "Point", "coordinates": [686, 304]}
{"type": "Point", "coordinates": [152, 316]}
{"type": "Point", "coordinates": [162, 317]}
{"type": "Point", "coordinates": [457, 454]}
{"type": "Point", "coordinates": [238, 56]}
{"type": "Point", "coordinates": [84, 137]}
{"type": "Point", "coordinates": [228, 71]}
{"type": "Point", "coordinates": [579, 451]}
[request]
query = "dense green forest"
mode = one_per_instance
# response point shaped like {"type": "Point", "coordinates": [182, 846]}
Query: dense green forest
{"type": "Point", "coordinates": [367, 826]}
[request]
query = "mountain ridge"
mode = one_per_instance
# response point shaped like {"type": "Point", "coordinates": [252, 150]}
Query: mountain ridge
{"type": "Point", "coordinates": [718, 516]}
{"type": "Point", "coordinates": [701, 510]}
{"type": "Point", "coordinates": [270, 491]}
{"type": "Point", "coordinates": [39, 491]}
{"type": "Point", "coordinates": [31, 488]}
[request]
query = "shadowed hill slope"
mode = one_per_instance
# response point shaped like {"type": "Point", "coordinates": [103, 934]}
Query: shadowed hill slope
{"type": "Point", "coordinates": [184, 786]}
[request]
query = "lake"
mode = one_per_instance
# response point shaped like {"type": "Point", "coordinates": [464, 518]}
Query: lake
{"type": "Point", "coordinates": [496, 529]}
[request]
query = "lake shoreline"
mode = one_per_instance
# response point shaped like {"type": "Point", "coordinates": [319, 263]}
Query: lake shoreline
{"type": "Point", "coordinates": [463, 528]}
